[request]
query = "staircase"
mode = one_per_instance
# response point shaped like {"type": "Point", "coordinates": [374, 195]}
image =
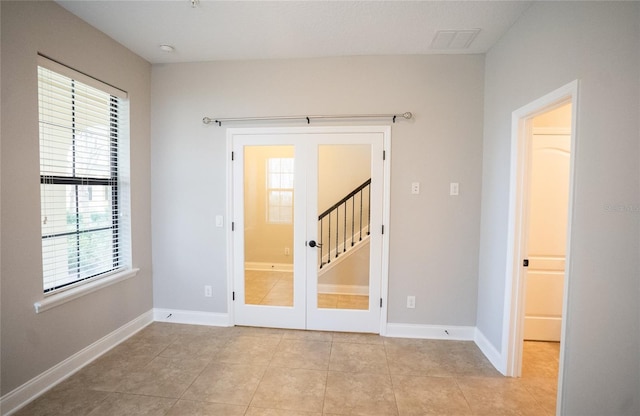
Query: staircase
{"type": "Point", "coordinates": [344, 227]}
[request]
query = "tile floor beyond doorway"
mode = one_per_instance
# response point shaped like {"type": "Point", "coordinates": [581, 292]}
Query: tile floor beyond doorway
{"type": "Point", "coordinates": [172, 369]}
{"type": "Point", "coordinates": [275, 288]}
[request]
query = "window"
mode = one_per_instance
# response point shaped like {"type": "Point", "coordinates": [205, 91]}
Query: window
{"type": "Point", "coordinates": [82, 210]}
{"type": "Point", "coordinates": [280, 190]}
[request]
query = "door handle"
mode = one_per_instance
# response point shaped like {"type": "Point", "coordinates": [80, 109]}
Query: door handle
{"type": "Point", "coordinates": [312, 244]}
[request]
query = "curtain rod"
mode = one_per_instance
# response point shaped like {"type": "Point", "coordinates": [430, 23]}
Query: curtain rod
{"type": "Point", "coordinates": [219, 121]}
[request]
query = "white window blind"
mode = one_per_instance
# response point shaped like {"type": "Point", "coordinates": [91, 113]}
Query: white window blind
{"type": "Point", "coordinates": [79, 177]}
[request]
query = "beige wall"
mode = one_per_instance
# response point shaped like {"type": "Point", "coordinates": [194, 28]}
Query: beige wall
{"type": "Point", "coordinates": [353, 270]}
{"type": "Point", "coordinates": [341, 169]}
{"type": "Point", "coordinates": [552, 44]}
{"type": "Point", "coordinates": [33, 343]}
{"type": "Point", "coordinates": [433, 236]}
{"type": "Point", "coordinates": [264, 241]}
{"type": "Point", "coordinates": [558, 118]}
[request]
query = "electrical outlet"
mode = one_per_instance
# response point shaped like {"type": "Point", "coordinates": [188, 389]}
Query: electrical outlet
{"type": "Point", "coordinates": [287, 251]}
{"type": "Point", "coordinates": [411, 302]}
{"type": "Point", "coordinates": [208, 291]}
{"type": "Point", "coordinates": [415, 188]}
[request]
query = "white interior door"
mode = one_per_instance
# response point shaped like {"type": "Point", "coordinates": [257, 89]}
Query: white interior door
{"type": "Point", "coordinates": [548, 213]}
{"type": "Point", "coordinates": [344, 211]}
{"type": "Point", "coordinates": [290, 268]}
{"type": "Point", "coordinates": [268, 229]}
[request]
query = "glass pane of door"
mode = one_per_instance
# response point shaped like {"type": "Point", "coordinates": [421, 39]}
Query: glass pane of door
{"type": "Point", "coordinates": [344, 219]}
{"type": "Point", "coordinates": [268, 225]}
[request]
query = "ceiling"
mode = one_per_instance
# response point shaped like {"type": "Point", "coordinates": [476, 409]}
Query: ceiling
{"type": "Point", "coordinates": [233, 30]}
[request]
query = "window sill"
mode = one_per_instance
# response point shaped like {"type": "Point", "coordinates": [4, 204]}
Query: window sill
{"type": "Point", "coordinates": [68, 295]}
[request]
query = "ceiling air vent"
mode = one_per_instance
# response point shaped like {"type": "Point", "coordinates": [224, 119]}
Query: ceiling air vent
{"type": "Point", "coordinates": [454, 39]}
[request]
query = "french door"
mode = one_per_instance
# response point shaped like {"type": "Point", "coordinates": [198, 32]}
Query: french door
{"type": "Point", "coordinates": [308, 207]}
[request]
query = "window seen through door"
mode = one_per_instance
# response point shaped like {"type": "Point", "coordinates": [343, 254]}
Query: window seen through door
{"type": "Point", "coordinates": [280, 190]}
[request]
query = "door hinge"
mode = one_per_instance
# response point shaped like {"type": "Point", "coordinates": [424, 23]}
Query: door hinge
{"type": "Point", "coordinates": [381, 302]}
{"type": "Point", "coordinates": [382, 228]}
{"type": "Point", "coordinates": [233, 295]}
{"type": "Point", "coordinates": [525, 263]}
{"type": "Point", "coordinates": [233, 226]}
{"type": "Point", "coordinates": [384, 155]}
{"type": "Point", "coordinates": [232, 156]}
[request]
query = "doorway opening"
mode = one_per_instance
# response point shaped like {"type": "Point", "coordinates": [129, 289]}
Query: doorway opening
{"type": "Point", "coordinates": [546, 241]}
{"type": "Point", "coordinates": [539, 267]}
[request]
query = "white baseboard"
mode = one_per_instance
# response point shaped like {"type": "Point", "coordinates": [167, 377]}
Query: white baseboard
{"type": "Point", "coordinates": [278, 267]}
{"type": "Point", "coordinates": [542, 328]}
{"type": "Point", "coordinates": [458, 333]}
{"type": "Point", "coordinates": [179, 316]}
{"type": "Point", "coordinates": [327, 288]}
{"type": "Point", "coordinates": [453, 332]}
{"type": "Point", "coordinates": [19, 397]}
{"type": "Point", "coordinates": [490, 352]}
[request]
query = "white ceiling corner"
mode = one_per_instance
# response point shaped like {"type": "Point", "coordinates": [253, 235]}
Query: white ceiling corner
{"type": "Point", "coordinates": [233, 30]}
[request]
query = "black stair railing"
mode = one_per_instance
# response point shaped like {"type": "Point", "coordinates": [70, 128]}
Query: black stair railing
{"type": "Point", "coordinates": [335, 222]}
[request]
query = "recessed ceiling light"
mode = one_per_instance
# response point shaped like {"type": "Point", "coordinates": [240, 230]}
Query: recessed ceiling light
{"type": "Point", "coordinates": [454, 39]}
{"type": "Point", "coordinates": [167, 48]}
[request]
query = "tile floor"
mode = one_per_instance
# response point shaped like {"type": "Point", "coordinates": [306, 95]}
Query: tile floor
{"type": "Point", "coordinates": [172, 369]}
{"type": "Point", "coordinates": [276, 288]}
{"type": "Point", "coordinates": [268, 288]}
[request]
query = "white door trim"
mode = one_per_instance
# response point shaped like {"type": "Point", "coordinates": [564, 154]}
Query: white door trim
{"type": "Point", "coordinates": [384, 130]}
{"type": "Point", "coordinates": [513, 317]}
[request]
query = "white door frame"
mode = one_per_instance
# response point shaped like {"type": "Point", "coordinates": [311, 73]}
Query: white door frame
{"type": "Point", "coordinates": [521, 129]}
{"type": "Point", "coordinates": [384, 130]}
